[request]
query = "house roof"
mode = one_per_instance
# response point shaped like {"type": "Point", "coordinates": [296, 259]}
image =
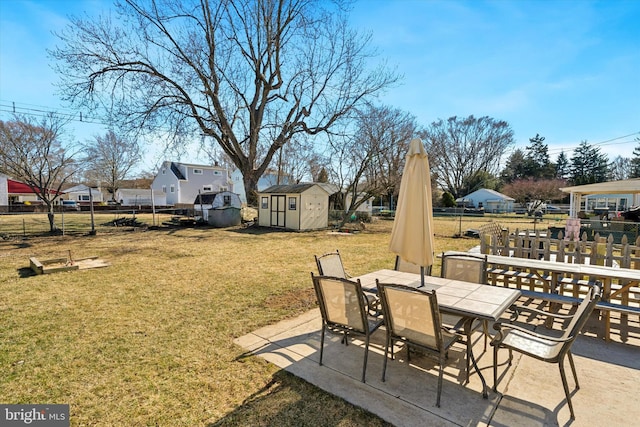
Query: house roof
{"type": "Point", "coordinates": [16, 187]}
{"type": "Point", "coordinates": [177, 172]}
{"type": "Point", "coordinates": [626, 186]}
{"type": "Point", "coordinates": [494, 193]}
{"type": "Point", "coordinates": [293, 188]}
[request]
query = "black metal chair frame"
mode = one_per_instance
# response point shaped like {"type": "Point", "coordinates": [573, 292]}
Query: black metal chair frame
{"type": "Point", "coordinates": [557, 348]}
{"type": "Point", "coordinates": [441, 347]}
{"type": "Point", "coordinates": [364, 325]}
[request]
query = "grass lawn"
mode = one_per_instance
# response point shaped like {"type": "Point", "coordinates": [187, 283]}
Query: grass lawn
{"type": "Point", "coordinates": [148, 340]}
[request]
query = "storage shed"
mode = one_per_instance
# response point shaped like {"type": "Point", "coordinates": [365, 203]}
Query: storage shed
{"type": "Point", "coordinates": [294, 207]}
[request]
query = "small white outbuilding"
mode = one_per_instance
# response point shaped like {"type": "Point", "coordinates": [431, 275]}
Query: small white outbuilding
{"type": "Point", "coordinates": [294, 207]}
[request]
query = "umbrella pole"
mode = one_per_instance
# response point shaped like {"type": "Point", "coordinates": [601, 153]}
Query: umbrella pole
{"type": "Point", "coordinates": [421, 276]}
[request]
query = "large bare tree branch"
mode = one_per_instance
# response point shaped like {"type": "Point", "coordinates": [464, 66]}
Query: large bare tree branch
{"type": "Point", "coordinates": [251, 74]}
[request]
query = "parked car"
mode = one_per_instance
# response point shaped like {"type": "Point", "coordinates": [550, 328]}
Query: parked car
{"type": "Point", "coordinates": [70, 205]}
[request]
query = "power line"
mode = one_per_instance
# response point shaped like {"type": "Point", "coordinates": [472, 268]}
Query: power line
{"type": "Point", "coordinates": [42, 111]}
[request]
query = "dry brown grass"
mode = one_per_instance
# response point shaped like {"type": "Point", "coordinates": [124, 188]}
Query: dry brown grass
{"type": "Point", "coordinates": [149, 340]}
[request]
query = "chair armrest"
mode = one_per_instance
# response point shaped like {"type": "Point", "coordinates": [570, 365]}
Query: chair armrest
{"type": "Point", "coordinates": [500, 327]}
{"type": "Point", "coordinates": [540, 312]}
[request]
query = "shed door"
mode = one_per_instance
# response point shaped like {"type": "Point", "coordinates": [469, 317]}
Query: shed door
{"type": "Point", "coordinates": [278, 210]}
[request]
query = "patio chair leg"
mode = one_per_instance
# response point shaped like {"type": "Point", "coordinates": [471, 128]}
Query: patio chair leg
{"type": "Point", "coordinates": [495, 368]}
{"type": "Point", "coordinates": [566, 388]}
{"type": "Point", "coordinates": [366, 353]}
{"type": "Point", "coordinates": [573, 369]}
{"type": "Point", "coordinates": [386, 352]}
{"type": "Point", "coordinates": [321, 344]}
{"type": "Point", "coordinates": [485, 327]}
{"type": "Point", "coordinates": [440, 381]}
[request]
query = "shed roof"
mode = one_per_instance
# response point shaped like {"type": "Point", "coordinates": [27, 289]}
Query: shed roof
{"type": "Point", "coordinates": [289, 189]}
{"type": "Point", "coordinates": [626, 186]}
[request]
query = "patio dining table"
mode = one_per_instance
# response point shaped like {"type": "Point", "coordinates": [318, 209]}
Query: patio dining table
{"type": "Point", "coordinates": [471, 301]}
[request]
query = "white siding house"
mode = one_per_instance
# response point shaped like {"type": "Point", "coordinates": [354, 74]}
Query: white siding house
{"type": "Point", "coordinates": [294, 207]}
{"type": "Point", "coordinates": [490, 200]}
{"type": "Point", "coordinates": [80, 193]}
{"type": "Point", "coordinates": [4, 191]}
{"type": "Point", "coordinates": [269, 178]}
{"type": "Point", "coordinates": [181, 182]}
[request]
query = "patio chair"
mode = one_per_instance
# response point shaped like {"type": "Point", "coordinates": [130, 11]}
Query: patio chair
{"type": "Point", "coordinates": [330, 264]}
{"type": "Point", "coordinates": [409, 267]}
{"type": "Point", "coordinates": [468, 268]}
{"type": "Point", "coordinates": [412, 316]}
{"type": "Point", "coordinates": [343, 309]}
{"type": "Point", "coordinates": [546, 347]}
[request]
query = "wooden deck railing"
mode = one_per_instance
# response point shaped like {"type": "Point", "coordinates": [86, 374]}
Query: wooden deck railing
{"type": "Point", "coordinates": [537, 245]}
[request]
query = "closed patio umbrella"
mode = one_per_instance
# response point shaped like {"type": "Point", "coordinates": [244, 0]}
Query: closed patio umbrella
{"type": "Point", "coordinates": [412, 233]}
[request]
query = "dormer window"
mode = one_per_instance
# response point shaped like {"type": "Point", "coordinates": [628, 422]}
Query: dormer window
{"type": "Point", "coordinates": [197, 171]}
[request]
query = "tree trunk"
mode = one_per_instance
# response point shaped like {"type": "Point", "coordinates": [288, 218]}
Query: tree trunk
{"type": "Point", "coordinates": [250, 179]}
{"type": "Point", "coordinates": [50, 216]}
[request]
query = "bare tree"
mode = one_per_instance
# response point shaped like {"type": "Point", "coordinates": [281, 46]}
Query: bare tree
{"type": "Point", "coordinates": [620, 168]}
{"type": "Point", "coordinates": [530, 190]}
{"type": "Point", "coordinates": [370, 162]}
{"type": "Point", "coordinates": [109, 159]}
{"type": "Point", "coordinates": [32, 151]}
{"type": "Point", "coordinates": [251, 74]}
{"type": "Point", "coordinates": [461, 147]}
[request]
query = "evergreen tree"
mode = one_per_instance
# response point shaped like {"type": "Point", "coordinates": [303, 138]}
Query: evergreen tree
{"type": "Point", "coordinates": [635, 162]}
{"type": "Point", "coordinates": [563, 170]}
{"type": "Point", "coordinates": [517, 167]}
{"type": "Point", "coordinates": [538, 159]}
{"type": "Point", "coordinates": [588, 165]}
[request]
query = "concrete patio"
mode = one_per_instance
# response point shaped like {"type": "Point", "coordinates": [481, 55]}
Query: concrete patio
{"type": "Point", "coordinates": [529, 393]}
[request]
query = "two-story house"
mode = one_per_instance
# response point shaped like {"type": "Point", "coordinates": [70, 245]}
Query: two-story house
{"type": "Point", "coordinates": [181, 182]}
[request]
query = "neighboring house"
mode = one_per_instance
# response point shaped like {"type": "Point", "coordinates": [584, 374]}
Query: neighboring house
{"type": "Point", "coordinates": [366, 206]}
{"type": "Point", "coordinates": [80, 193]}
{"type": "Point", "coordinates": [294, 207]}
{"type": "Point", "coordinates": [490, 200]}
{"type": "Point", "coordinates": [12, 192]}
{"type": "Point", "coordinates": [269, 178]}
{"type": "Point", "coordinates": [611, 195]}
{"type": "Point", "coordinates": [181, 182]}
{"type": "Point", "coordinates": [140, 197]}
{"type": "Point", "coordinates": [4, 191]}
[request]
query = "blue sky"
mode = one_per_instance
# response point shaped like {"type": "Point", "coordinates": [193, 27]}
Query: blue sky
{"type": "Point", "coordinates": [568, 70]}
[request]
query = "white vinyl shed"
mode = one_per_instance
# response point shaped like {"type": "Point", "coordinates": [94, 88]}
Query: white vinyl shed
{"type": "Point", "coordinates": [294, 207]}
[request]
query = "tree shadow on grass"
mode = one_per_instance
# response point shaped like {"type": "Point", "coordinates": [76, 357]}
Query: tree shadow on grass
{"type": "Point", "coordinates": [290, 401]}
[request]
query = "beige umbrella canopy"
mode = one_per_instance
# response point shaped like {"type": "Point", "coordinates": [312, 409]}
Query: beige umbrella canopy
{"type": "Point", "coordinates": [412, 233]}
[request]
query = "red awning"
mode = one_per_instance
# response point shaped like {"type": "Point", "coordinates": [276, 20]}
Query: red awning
{"type": "Point", "coordinates": [15, 187]}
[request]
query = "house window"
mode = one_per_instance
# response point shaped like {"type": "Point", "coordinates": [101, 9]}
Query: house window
{"type": "Point", "coordinates": [292, 203]}
{"type": "Point", "coordinates": [224, 189]}
{"type": "Point", "coordinates": [172, 189]}
{"type": "Point", "coordinates": [227, 200]}
{"type": "Point", "coordinates": [265, 203]}
{"type": "Point", "coordinates": [164, 189]}
{"type": "Point", "coordinates": [197, 171]}
{"type": "Point", "coordinates": [216, 172]}
{"type": "Point", "coordinates": [84, 197]}
{"type": "Point", "coordinates": [207, 188]}
{"type": "Point", "coordinates": [164, 171]}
